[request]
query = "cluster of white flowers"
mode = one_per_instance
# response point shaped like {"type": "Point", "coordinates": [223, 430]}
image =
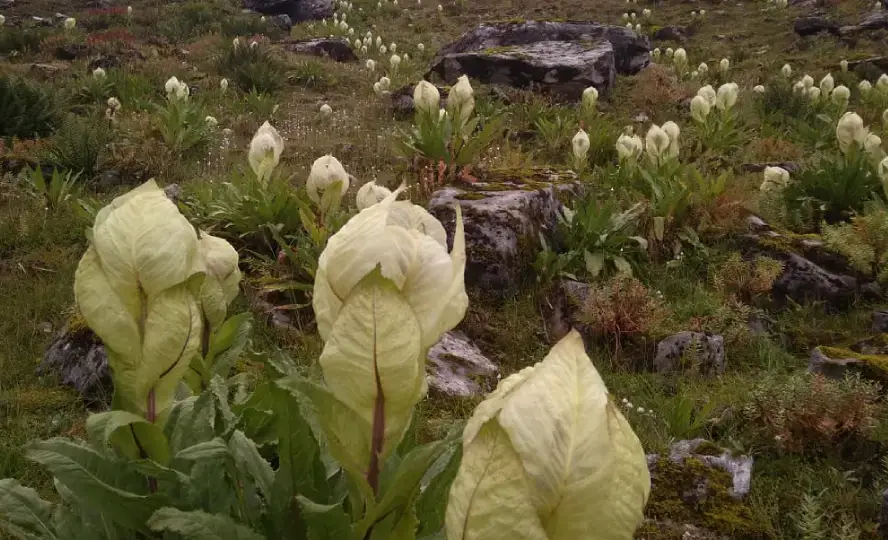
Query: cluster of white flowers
{"type": "Point", "coordinates": [852, 133]}
{"type": "Point", "coordinates": [866, 87]}
{"type": "Point", "coordinates": [826, 90]}
{"type": "Point", "coordinates": [382, 86]}
{"type": "Point", "coordinates": [176, 89]}
{"type": "Point", "coordinates": [707, 98]}
{"type": "Point", "coordinates": [660, 144]}
{"type": "Point", "coordinates": [779, 3]}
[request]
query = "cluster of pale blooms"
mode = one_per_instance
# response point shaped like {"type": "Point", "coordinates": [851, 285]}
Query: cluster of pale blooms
{"type": "Point", "coordinates": [851, 134]}
{"type": "Point", "coordinates": [633, 22]}
{"type": "Point", "coordinates": [661, 143]}
{"type": "Point", "coordinates": [826, 90]}
{"type": "Point", "coordinates": [881, 87]}
{"type": "Point", "coordinates": [707, 97]}
{"type": "Point", "coordinates": [778, 3]}
{"type": "Point", "coordinates": [326, 172]}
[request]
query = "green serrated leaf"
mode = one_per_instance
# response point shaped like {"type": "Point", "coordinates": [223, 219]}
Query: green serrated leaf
{"type": "Point", "coordinates": [325, 521]}
{"type": "Point", "coordinates": [400, 492]}
{"type": "Point", "coordinates": [248, 461]}
{"type": "Point", "coordinates": [228, 342]}
{"type": "Point", "coordinates": [107, 485]}
{"type": "Point", "coordinates": [212, 449]}
{"type": "Point", "coordinates": [338, 423]}
{"type": "Point", "coordinates": [23, 514]}
{"type": "Point", "coordinates": [191, 422]}
{"type": "Point", "coordinates": [134, 436]}
{"type": "Point", "coordinates": [198, 525]}
{"type": "Point", "coordinates": [219, 391]}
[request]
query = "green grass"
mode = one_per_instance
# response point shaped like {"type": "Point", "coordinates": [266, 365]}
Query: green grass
{"type": "Point", "coordinates": [39, 249]}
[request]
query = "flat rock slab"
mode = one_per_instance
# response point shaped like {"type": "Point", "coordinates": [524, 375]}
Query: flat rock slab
{"type": "Point", "coordinates": [458, 368]}
{"type": "Point", "coordinates": [504, 214]}
{"type": "Point", "coordinates": [562, 69]}
{"type": "Point", "coordinates": [333, 48]}
{"type": "Point", "coordinates": [297, 10]}
{"type": "Point", "coordinates": [631, 50]}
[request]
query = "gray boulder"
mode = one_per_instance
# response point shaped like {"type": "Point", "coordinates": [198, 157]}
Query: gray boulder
{"type": "Point", "coordinates": [282, 21]}
{"type": "Point", "coordinates": [811, 271]}
{"type": "Point", "coordinates": [515, 51]}
{"type": "Point", "coordinates": [457, 368]}
{"type": "Point", "coordinates": [671, 33]}
{"type": "Point", "coordinates": [297, 10]}
{"type": "Point", "coordinates": [877, 20]}
{"type": "Point", "coordinates": [76, 357]}
{"type": "Point", "coordinates": [504, 214]}
{"type": "Point", "coordinates": [707, 351]}
{"type": "Point", "coordinates": [562, 69]}
{"type": "Point", "coordinates": [880, 321]}
{"type": "Point", "coordinates": [809, 26]}
{"type": "Point", "coordinates": [337, 49]}
{"type": "Point", "coordinates": [803, 280]}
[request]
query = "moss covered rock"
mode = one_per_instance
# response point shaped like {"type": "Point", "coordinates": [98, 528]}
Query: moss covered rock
{"type": "Point", "coordinates": [869, 358]}
{"type": "Point", "coordinates": [698, 491]}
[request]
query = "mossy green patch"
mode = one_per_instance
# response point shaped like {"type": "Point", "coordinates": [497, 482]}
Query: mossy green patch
{"type": "Point", "coordinates": [693, 492]}
{"type": "Point", "coordinates": [877, 363]}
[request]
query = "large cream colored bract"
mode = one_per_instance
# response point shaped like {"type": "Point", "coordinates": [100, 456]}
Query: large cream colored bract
{"type": "Point", "coordinates": [136, 287]}
{"type": "Point", "coordinates": [548, 456]}
{"type": "Point", "coordinates": [385, 290]}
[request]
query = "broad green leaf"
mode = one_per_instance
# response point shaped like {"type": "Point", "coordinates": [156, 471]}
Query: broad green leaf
{"type": "Point", "coordinates": [191, 422]}
{"type": "Point", "coordinates": [301, 470]}
{"type": "Point", "coordinates": [71, 525]}
{"type": "Point", "coordinates": [198, 525]}
{"type": "Point", "coordinates": [212, 449]}
{"type": "Point", "coordinates": [228, 342]}
{"type": "Point", "coordinates": [432, 503]}
{"type": "Point", "coordinates": [248, 460]}
{"type": "Point", "coordinates": [325, 521]}
{"type": "Point", "coordinates": [23, 513]}
{"type": "Point", "coordinates": [134, 436]}
{"type": "Point", "coordinates": [281, 364]}
{"type": "Point", "coordinates": [98, 481]}
{"type": "Point", "coordinates": [400, 493]}
{"type": "Point", "coordinates": [345, 432]}
{"type": "Point", "coordinates": [219, 390]}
